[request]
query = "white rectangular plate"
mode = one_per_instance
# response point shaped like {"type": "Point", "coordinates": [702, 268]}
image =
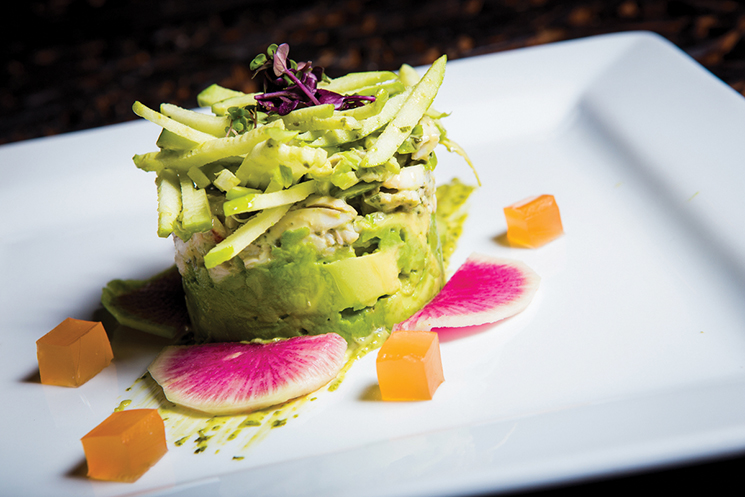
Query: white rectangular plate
{"type": "Point", "coordinates": [631, 356]}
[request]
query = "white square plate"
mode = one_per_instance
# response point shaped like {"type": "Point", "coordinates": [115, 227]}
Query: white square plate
{"type": "Point", "coordinates": [631, 356]}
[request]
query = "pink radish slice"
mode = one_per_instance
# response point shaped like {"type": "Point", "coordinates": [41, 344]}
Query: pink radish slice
{"type": "Point", "coordinates": [235, 377]}
{"type": "Point", "coordinates": [483, 290]}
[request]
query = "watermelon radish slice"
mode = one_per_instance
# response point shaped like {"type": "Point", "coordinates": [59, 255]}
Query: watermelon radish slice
{"type": "Point", "coordinates": [483, 290]}
{"type": "Point", "coordinates": [238, 377]}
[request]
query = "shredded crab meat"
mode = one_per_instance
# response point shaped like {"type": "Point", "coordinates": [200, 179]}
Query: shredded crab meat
{"type": "Point", "coordinates": [192, 250]}
{"type": "Point", "coordinates": [329, 220]}
{"type": "Point", "coordinates": [415, 188]}
{"type": "Point", "coordinates": [410, 178]}
{"type": "Point", "coordinates": [329, 202]}
{"type": "Point", "coordinates": [255, 254]}
{"type": "Point", "coordinates": [430, 138]}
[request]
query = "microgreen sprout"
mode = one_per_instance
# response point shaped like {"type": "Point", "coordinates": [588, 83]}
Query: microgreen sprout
{"type": "Point", "coordinates": [289, 85]}
{"type": "Point", "coordinates": [239, 120]}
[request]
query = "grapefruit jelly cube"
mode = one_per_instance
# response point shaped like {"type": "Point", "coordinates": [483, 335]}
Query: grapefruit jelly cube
{"type": "Point", "coordinates": [125, 445]}
{"type": "Point", "coordinates": [73, 352]}
{"type": "Point", "coordinates": [534, 221]}
{"type": "Point", "coordinates": [409, 366]}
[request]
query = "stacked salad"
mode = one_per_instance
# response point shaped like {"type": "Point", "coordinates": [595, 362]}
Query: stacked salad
{"type": "Point", "coordinates": [307, 208]}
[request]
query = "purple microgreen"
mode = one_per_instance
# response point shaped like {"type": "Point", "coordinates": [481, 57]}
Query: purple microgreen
{"type": "Point", "coordinates": [303, 88]}
{"type": "Point", "coordinates": [342, 102]}
{"type": "Point", "coordinates": [292, 85]}
{"type": "Point", "coordinates": [330, 97]}
{"type": "Point", "coordinates": [280, 59]}
{"type": "Point", "coordinates": [352, 101]}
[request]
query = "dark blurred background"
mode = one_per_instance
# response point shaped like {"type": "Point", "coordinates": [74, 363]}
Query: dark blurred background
{"type": "Point", "coordinates": [77, 64]}
{"type": "Point", "coordinates": [69, 65]}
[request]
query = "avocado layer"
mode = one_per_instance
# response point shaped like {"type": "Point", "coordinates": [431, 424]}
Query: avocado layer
{"type": "Point", "coordinates": [297, 292]}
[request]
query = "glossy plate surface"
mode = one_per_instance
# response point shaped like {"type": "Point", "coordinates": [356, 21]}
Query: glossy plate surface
{"type": "Point", "coordinates": [632, 355]}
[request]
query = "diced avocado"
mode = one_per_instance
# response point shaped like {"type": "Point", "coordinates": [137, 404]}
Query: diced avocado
{"type": "Point", "coordinates": [344, 180]}
{"type": "Point", "coordinates": [344, 165]}
{"type": "Point", "coordinates": [226, 180]}
{"type": "Point", "coordinates": [360, 281]}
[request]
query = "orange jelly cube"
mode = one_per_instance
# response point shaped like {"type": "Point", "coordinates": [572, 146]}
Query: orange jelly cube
{"type": "Point", "coordinates": [125, 445]}
{"type": "Point", "coordinates": [534, 221]}
{"type": "Point", "coordinates": [73, 352]}
{"type": "Point", "coordinates": [409, 366]}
